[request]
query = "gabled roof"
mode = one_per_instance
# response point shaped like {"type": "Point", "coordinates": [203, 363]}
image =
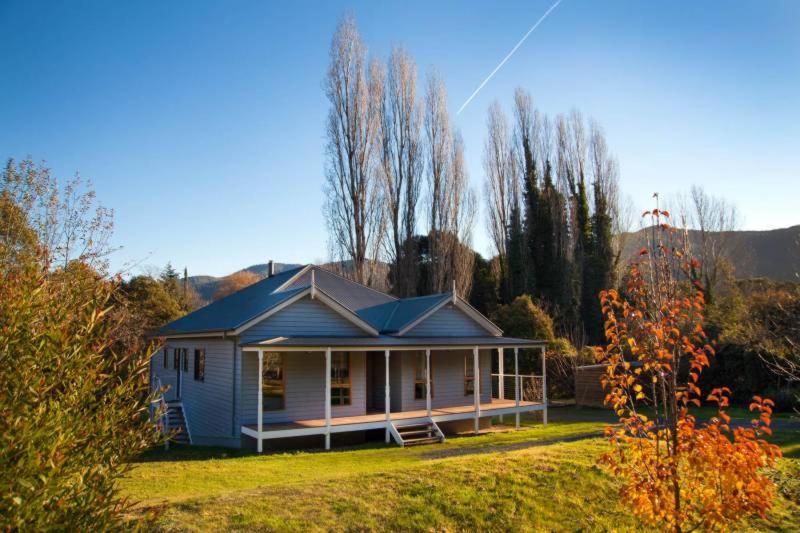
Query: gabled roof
{"type": "Point", "coordinates": [235, 309]}
{"type": "Point", "coordinates": [391, 317]}
{"type": "Point", "coordinates": [371, 310]}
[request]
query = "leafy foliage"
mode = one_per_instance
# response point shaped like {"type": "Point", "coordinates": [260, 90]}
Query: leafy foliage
{"type": "Point", "coordinates": [73, 401]}
{"type": "Point", "coordinates": [522, 318]}
{"type": "Point", "coordinates": [674, 472]}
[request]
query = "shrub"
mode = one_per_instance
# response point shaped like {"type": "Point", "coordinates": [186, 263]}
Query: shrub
{"type": "Point", "coordinates": [523, 318]}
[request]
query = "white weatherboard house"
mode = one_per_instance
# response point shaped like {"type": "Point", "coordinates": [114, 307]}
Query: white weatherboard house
{"type": "Point", "coordinates": [307, 353]}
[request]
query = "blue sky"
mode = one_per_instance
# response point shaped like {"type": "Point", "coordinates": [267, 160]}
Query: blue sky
{"type": "Point", "coordinates": [202, 123]}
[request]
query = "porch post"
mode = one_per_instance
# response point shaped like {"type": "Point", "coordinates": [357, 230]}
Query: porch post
{"type": "Point", "coordinates": [387, 399]}
{"type": "Point", "coordinates": [260, 399]}
{"type": "Point", "coordinates": [476, 389]}
{"type": "Point", "coordinates": [516, 383]}
{"type": "Point", "coordinates": [544, 385]}
{"type": "Point", "coordinates": [501, 381]}
{"type": "Point", "coordinates": [328, 399]}
{"type": "Point", "coordinates": [428, 381]}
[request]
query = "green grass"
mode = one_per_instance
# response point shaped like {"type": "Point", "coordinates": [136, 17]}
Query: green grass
{"type": "Point", "coordinates": [523, 480]}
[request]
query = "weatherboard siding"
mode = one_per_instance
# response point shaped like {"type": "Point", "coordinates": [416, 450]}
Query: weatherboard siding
{"type": "Point", "coordinates": [303, 318]}
{"type": "Point", "coordinates": [207, 404]}
{"type": "Point", "coordinates": [446, 322]}
{"type": "Point", "coordinates": [304, 378]}
{"type": "Point", "coordinates": [447, 373]}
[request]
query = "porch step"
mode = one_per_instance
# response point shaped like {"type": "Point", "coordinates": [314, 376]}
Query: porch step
{"type": "Point", "coordinates": [177, 424]}
{"type": "Point", "coordinates": [416, 434]}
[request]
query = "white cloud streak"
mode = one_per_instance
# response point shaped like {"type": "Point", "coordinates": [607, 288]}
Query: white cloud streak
{"type": "Point", "coordinates": [503, 62]}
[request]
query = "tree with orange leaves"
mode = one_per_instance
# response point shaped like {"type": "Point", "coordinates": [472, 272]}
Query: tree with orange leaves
{"type": "Point", "coordinates": [675, 472]}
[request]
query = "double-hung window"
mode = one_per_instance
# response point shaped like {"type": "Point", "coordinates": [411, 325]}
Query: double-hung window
{"type": "Point", "coordinates": [340, 378]}
{"type": "Point", "coordinates": [199, 364]}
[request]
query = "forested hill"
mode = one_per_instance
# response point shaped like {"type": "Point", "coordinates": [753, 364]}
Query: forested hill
{"type": "Point", "coordinates": [773, 254]}
{"type": "Point", "coordinates": [206, 286]}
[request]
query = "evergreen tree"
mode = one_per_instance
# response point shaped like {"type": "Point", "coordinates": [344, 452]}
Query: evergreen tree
{"type": "Point", "coordinates": [515, 249]}
{"type": "Point", "coordinates": [583, 255]}
{"type": "Point", "coordinates": [534, 232]}
{"type": "Point", "coordinates": [484, 286]}
{"type": "Point", "coordinates": [598, 267]}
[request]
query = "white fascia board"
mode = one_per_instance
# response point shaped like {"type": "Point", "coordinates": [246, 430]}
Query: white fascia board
{"type": "Point", "coordinates": [321, 296]}
{"type": "Point", "coordinates": [461, 305]}
{"type": "Point", "coordinates": [422, 317]}
{"type": "Point", "coordinates": [478, 317]}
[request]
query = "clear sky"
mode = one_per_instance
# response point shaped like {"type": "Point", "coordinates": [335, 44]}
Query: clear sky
{"type": "Point", "coordinates": [202, 123]}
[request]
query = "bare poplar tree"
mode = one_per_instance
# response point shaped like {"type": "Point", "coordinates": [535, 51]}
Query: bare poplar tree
{"type": "Point", "coordinates": [353, 205]}
{"type": "Point", "coordinates": [460, 221]}
{"type": "Point", "coordinates": [500, 186]}
{"type": "Point", "coordinates": [401, 165]}
{"type": "Point", "coordinates": [439, 145]}
{"type": "Point", "coordinates": [451, 203]}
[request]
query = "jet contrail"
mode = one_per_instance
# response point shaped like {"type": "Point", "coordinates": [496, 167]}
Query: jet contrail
{"type": "Point", "coordinates": [503, 62]}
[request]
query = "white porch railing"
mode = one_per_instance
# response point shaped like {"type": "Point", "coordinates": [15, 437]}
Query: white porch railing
{"type": "Point", "coordinates": [530, 387]}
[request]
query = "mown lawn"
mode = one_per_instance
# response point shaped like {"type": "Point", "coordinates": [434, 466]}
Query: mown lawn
{"type": "Point", "coordinates": [533, 479]}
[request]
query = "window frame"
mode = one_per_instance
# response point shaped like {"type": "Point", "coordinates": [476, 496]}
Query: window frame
{"type": "Point", "coordinates": [422, 381]}
{"type": "Point", "coordinates": [342, 386]}
{"type": "Point", "coordinates": [469, 362]}
{"type": "Point", "coordinates": [176, 359]}
{"type": "Point", "coordinates": [166, 357]}
{"type": "Point", "coordinates": [185, 360]}
{"type": "Point", "coordinates": [265, 381]}
{"type": "Point", "coordinates": [200, 364]}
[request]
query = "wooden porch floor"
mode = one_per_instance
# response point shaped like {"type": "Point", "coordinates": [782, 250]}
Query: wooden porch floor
{"type": "Point", "coordinates": [486, 410]}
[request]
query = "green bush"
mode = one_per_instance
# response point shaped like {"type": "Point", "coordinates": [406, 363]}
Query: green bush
{"type": "Point", "coordinates": [523, 318]}
{"type": "Point", "coordinates": [73, 402]}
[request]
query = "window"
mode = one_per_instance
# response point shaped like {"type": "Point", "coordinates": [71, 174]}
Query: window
{"type": "Point", "coordinates": [200, 364]}
{"type": "Point", "coordinates": [185, 355]}
{"type": "Point", "coordinates": [469, 375]}
{"type": "Point", "coordinates": [419, 376]}
{"type": "Point", "coordinates": [176, 358]}
{"type": "Point", "coordinates": [273, 387]}
{"type": "Point", "coordinates": [166, 358]}
{"type": "Point", "coordinates": [340, 378]}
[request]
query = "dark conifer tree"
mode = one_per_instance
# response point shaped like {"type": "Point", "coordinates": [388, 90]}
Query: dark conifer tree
{"type": "Point", "coordinates": [515, 248]}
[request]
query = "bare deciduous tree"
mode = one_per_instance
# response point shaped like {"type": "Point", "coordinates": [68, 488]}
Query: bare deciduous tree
{"type": "Point", "coordinates": [401, 165]}
{"type": "Point", "coordinates": [451, 203]}
{"type": "Point", "coordinates": [68, 222]}
{"type": "Point", "coordinates": [500, 183]}
{"type": "Point", "coordinates": [353, 196]}
{"type": "Point", "coordinates": [713, 219]}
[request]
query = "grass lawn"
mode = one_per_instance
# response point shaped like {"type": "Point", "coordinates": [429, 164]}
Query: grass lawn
{"type": "Point", "coordinates": [533, 479]}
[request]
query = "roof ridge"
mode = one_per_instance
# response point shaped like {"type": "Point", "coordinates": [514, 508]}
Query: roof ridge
{"type": "Point", "coordinates": [331, 272]}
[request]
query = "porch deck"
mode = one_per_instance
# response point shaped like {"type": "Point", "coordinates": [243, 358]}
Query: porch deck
{"type": "Point", "coordinates": [344, 424]}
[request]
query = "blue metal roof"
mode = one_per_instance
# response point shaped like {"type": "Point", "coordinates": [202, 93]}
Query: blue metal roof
{"type": "Point", "coordinates": [235, 309]}
{"type": "Point", "coordinates": [383, 312]}
{"type": "Point", "coordinates": [391, 317]}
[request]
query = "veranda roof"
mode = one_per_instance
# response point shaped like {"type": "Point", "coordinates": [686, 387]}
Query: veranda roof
{"type": "Point", "coordinates": [388, 342]}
